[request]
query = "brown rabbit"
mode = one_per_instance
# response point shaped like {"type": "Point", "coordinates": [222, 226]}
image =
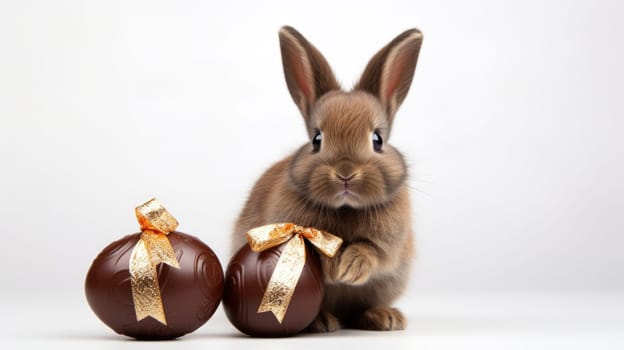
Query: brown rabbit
{"type": "Point", "coordinates": [346, 180]}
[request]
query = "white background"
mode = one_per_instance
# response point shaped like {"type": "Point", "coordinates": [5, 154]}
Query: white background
{"type": "Point", "coordinates": [512, 129]}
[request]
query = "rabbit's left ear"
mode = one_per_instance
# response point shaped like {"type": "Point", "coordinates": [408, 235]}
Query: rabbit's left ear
{"type": "Point", "coordinates": [389, 73]}
{"type": "Point", "coordinates": [307, 73]}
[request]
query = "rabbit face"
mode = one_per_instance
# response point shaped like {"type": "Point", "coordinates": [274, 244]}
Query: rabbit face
{"type": "Point", "coordinates": [347, 162]}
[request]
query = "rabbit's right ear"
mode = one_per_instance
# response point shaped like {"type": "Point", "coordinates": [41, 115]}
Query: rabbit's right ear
{"type": "Point", "coordinates": [307, 73]}
{"type": "Point", "coordinates": [389, 73]}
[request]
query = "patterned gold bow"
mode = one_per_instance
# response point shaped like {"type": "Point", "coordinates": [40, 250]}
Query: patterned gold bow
{"type": "Point", "coordinates": [292, 259]}
{"type": "Point", "coordinates": [152, 249]}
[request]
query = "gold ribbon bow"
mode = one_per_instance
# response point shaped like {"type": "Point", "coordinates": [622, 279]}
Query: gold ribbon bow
{"type": "Point", "coordinates": [290, 264]}
{"type": "Point", "coordinates": [152, 249]}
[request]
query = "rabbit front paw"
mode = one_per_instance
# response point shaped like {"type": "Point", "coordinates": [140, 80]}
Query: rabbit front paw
{"type": "Point", "coordinates": [354, 266]}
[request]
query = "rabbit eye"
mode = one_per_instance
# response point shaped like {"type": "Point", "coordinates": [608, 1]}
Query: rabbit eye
{"type": "Point", "coordinates": [316, 141]}
{"type": "Point", "coordinates": [377, 141]}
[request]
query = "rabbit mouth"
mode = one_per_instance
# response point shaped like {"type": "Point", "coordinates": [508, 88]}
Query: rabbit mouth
{"type": "Point", "coordinates": [357, 186]}
{"type": "Point", "coordinates": [346, 192]}
{"type": "Point", "coordinates": [345, 188]}
{"type": "Point", "coordinates": [346, 196]}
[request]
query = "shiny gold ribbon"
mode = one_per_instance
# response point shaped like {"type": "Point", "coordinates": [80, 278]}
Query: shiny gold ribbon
{"type": "Point", "coordinates": [152, 249]}
{"type": "Point", "coordinates": [284, 279]}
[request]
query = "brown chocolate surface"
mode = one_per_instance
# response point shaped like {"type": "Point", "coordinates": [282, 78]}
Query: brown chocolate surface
{"type": "Point", "coordinates": [246, 279]}
{"type": "Point", "coordinates": [190, 295]}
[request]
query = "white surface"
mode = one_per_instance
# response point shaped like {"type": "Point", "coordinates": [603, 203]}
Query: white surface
{"type": "Point", "coordinates": [520, 321]}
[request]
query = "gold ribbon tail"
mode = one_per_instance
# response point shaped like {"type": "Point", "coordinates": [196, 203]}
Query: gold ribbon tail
{"type": "Point", "coordinates": [144, 282]}
{"type": "Point", "coordinates": [324, 242]}
{"type": "Point", "coordinates": [152, 249]}
{"type": "Point", "coordinates": [284, 279]}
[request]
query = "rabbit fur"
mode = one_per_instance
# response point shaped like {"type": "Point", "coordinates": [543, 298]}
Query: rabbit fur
{"type": "Point", "coordinates": [346, 180]}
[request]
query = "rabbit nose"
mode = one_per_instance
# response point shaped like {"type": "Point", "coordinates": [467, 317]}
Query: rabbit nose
{"type": "Point", "coordinates": [345, 171]}
{"type": "Point", "coordinates": [345, 178]}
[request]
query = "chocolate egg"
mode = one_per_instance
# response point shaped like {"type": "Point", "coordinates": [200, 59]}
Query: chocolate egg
{"type": "Point", "coordinates": [190, 294]}
{"type": "Point", "coordinates": [246, 280]}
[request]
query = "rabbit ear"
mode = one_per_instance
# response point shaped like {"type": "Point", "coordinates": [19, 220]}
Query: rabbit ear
{"type": "Point", "coordinates": [389, 73]}
{"type": "Point", "coordinates": [307, 73]}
